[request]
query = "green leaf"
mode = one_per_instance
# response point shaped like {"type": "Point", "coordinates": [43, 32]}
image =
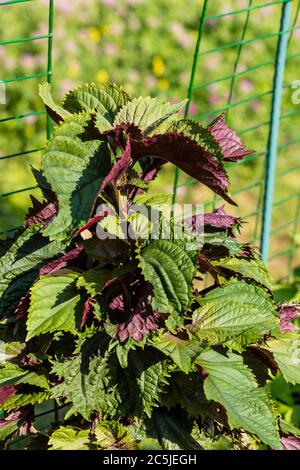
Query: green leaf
{"type": "Point", "coordinates": [94, 280]}
{"type": "Point", "coordinates": [106, 100]}
{"type": "Point", "coordinates": [150, 375]}
{"type": "Point", "coordinates": [170, 270]}
{"type": "Point", "coordinates": [286, 352]}
{"type": "Point", "coordinates": [182, 352]}
{"type": "Point", "coordinates": [75, 169]}
{"type": "Point", "coordinates": [20, 264]}
{"type": "Point", "coordinates": [147, 113]}
{"type": "Point", "coordinates": [111, 435]}
{"type": "Point", "coordinates": [288, 428]}
{"type": "Point", "coordinates": [137, 182]}
{"type": "Point", "coordinates": [171, 431]}
{"type": "Point", "coordinates": [186, 391]}
{"type": "Point", "coordinates": [69, 438]}
{"type": "Point", "coordinates": [10, 350]}
{"type": "Point", "coordinates": [154, 200]}
{"type": "Point", "coordinates": [108, 251]}
{"type": "Point", "coordinates": [88, 382]}
{"type": "Point", "coordinates": [221, 240]}
{"type": "Point", "coordinates": [250, 268]}
{"type": "Point", "coordinates": [231, 384]}
{"type": "Point", "coordinates": [54, 300]}
{"type": "Point", "coordinates": [236, 311]}
{"type": "Point", "coordinates": [56, 112]}
{"type": "Point", "coordinates": [11, 374]}
{"type": "Point", "coordinates": [8, 429]}
{"type": "Point", "coordinates": [200, 134]}
{"type": "Point", "coordinates": [24, 399]}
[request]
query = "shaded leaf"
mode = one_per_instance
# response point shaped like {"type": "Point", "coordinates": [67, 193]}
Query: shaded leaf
{"type": "Point", "coordinates": [62, 262]}
{"type": "Point", "coordinates": [249, 268]}
{"type": "Point", "coordinates": [231, 384]}
{"type": "Point", "coordinates": [106, 100]}
{"type": "Point", "coordinates": [53, 305]}
{"type": "Point", "coordinates": [24, 399]}
{"type": "Point", "coordinates": [19, 266]}
{"type": "Point", "coordinates": [113, 435]}
{"type": "Point", "coordinates": [7, 391]}
{"type": "Point", "coordinates": [40, 212]}
{"type": "Point", "coordinates": [190, 157]}
{"type": "Point", "coordinates": [94, 280]}
{"type": "Point", "coordinates": [182, 352]}
{"type": "Point", "coordinates": [170, 270]}
{"type": "Point", "coordinates": [171, 432]}
{"type": "Point", "coordinates": [75, 170]}
{"type": "Point", "coordinates": [11, 374]}
{"type": "Point", "coordinates": [286, 352]}
{"type": "Point", "coordinates": [56, 112]}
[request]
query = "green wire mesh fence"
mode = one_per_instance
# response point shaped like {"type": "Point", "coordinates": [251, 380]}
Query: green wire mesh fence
{"type": "Point", "coordinates": [15, 121]}
{"type": "Point", "coordinates": [258, 67]}
{"type": "Point", "coordinates": [238, 67]}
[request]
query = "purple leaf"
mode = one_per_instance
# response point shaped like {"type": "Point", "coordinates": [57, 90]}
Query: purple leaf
{"type": "Point", "coordinates": [219, 219]}
{"type": "Point", "coordinates": [232, 147]}
{"type": "Point", "coordinates": [290, 443]}
{"type": "Point", "coordinates": [119, 167]}
{"type": "Point", "coordinates": [175, 148]}
{"type": "Point", "coordinates": [40, 212]}
{"type": "Point", "coordinates": [142, 319]}
{"type": "Point", "coordinates": [10, 418]}
{"type": "Point", "coordinates": [121, 133]}
{"type": "Point", "coordinates": [92, 221]}
{"type": "Point", "coordinates": [61, 262]}
{"type": "Point", "coordinates": [137, 327]}
{"type": "Point", "coordinates": [150, 174]}
{"type": "Point", "coordinates": [23, 307]}
{"type": "Point", "coordinates": [86, 312]}
{"type": "Point", "coordinates": [205, 266]}
{"type": "Point", "coordinates": [286, 314]}
{"type": "Point", "coordinates": [117, 303]}
{"type": "Point", "coordinates": [7, 391]}
{"type": "Point", "coordinates": [188, 156]}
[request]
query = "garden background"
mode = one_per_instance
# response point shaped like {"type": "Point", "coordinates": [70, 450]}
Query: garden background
{"type": "Point", "coordinates": [148, 47]}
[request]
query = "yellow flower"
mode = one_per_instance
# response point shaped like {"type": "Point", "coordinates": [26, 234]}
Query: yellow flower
{"type": "Point", "coordinates": [163, 84]}
{"type": "Point", "coordinates": [158, 66]}
{"type": "Point", "coordinates": [73, 71]}
{"type": "Point", "coordinates": [94, 35]}
{"type": "Point", "coordinates": [102, 76]}
{"type": "Point", "coordinates": [105, 29]}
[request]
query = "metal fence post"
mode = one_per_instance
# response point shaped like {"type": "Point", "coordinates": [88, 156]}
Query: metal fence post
{"type": "Point", "coordinates": [49, 67]}
{"type": "Point", "coordinates": [271, 155]}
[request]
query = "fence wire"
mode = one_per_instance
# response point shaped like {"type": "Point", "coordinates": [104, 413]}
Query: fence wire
{"type": "Point", "coordinates": [234, 67]}
{"type": "Point", "coordinates": [25, 41]}
{"type": "Point", "coordinates": [248, 63]}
